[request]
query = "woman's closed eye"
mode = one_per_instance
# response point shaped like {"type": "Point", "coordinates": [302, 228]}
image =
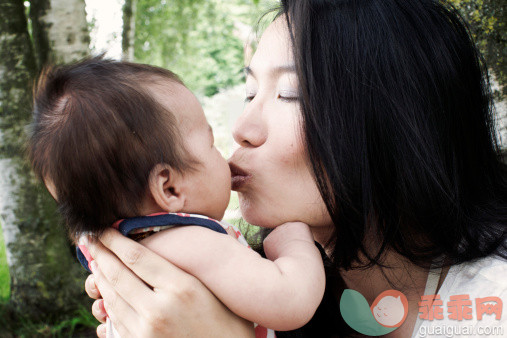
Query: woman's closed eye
{"type": "Point", "coordinates": [288, 96]}
{"type": "Point", "coordinates": [283, 96]}
{"type": "Point", "coordinates": [249, 97]}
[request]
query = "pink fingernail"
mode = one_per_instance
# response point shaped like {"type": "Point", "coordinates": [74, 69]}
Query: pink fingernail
{"type": "Point", "coordinates": [83, 240]}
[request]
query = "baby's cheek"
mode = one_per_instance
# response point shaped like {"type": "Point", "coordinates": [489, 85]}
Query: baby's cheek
{"type": "Point", "coordinates": [225, 173]}
{"type": "Point", "coordinates": [225, 180]}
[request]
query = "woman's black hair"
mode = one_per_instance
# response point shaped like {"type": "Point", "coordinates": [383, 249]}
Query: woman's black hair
{"type": "Point", "coordinates": [398, 124]}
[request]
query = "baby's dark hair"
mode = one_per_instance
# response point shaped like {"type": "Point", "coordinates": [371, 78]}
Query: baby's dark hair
{"type": "Point", "coordinates": [96, 135]}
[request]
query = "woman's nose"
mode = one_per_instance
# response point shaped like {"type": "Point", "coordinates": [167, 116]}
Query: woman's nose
{"type": "Point", "coordinates": [250, 129]}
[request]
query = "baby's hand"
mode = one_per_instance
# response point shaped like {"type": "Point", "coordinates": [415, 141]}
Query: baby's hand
{"type": "Point", "coordinates": [284, 235]}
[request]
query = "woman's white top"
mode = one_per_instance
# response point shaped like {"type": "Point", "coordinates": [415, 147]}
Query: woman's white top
{"type": "Point", "coordinates": [482, 278]}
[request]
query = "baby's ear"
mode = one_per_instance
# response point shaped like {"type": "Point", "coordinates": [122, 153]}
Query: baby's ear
{"type": "Point", "coordinates": [164, 185]}
{"type": "Point", "coordinates": [51, 187]}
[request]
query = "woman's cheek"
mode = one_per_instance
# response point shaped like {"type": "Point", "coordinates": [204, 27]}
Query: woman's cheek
{"type": "Point", "coordinates": [288, 157]}
{"type": "Point", "coordinates": [286, 149]}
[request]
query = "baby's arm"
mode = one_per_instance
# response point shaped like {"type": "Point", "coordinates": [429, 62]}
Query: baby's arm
{"type": "Point", "coordinates": [281, 294]}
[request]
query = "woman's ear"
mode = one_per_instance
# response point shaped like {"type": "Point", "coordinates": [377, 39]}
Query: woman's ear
{"type": "Point", "coordinates": [165, 188]}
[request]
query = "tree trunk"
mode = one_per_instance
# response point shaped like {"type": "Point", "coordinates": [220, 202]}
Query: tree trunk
{"type": "Point", "coordinates": [40, 37]}
{"type": "Point", "coordinates": [501, 114]}
{"type": "Point", "coordinates": [45, 280]}
{"type": "Point", "coordinates": [60, 30]}
{"type": "Point", "coordinates": [128, 33]}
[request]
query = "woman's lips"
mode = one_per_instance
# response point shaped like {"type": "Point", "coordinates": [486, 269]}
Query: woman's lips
{"type": "Point", "coordinates": [238, 176]}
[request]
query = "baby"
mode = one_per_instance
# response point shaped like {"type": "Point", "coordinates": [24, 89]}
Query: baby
{"type": "Point", "coordinates": [128, 145]}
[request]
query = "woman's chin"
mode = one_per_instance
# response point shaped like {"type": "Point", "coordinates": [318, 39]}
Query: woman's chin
{"type": "Point", "coordinates": [248, 210]}
{"type": "Point", "coordinates": [252, 214]}
{"type": "Point", "coordinates": [258, 212]}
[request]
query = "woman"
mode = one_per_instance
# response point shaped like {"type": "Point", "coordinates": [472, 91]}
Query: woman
{"type": "Point", "coordinates": [371, 122]}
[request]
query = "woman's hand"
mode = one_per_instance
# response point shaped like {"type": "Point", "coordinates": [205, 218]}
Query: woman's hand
{"type": "Point", "coordinates": [98, 309]}
{"type": "Point", "coordinates": [146, 296]}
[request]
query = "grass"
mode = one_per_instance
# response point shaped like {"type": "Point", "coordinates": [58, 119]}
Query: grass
{"type": "Point", "coordinates": [5, 279]}
{"type": "Point", "coordinates": [81, 323]}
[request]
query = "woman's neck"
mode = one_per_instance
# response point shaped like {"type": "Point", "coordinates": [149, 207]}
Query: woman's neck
{"type": "Point", "coordinates": [400, 275]}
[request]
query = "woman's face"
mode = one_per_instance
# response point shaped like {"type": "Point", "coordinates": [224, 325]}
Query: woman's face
{"type": "Point", "coordinates": [270, 169]}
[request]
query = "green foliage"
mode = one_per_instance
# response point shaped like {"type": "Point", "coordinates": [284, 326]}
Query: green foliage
{"type": "Point", "coordinates": [198, 39]}
{"type": "Point", "coordinates": [488, 25]}
{"type": "Point", "coordinates": [5, 279]}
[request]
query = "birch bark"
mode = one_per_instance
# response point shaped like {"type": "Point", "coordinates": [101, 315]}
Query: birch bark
{"type": "Point", "coordinates": [128, 32]}
{"type": "Point", "coordinates": [45, 280]}
{"type": "Point", "coordinates": [60, 30]}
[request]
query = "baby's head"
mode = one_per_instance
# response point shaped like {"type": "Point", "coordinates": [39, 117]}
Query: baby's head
{"type": "Point", "coordinates": [113, 140]}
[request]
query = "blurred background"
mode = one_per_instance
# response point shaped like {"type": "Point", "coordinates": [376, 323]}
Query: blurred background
{"type": "Point", "coordinates": [206, 42]}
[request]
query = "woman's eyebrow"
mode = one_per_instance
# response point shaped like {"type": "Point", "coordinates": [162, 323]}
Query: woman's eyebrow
{"type": "Point", "coordinates": [275, 70]}
{"type": "Point", "coordinates": [284, 69]}
{"type": "Point", "coordinates": [248, 71]}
